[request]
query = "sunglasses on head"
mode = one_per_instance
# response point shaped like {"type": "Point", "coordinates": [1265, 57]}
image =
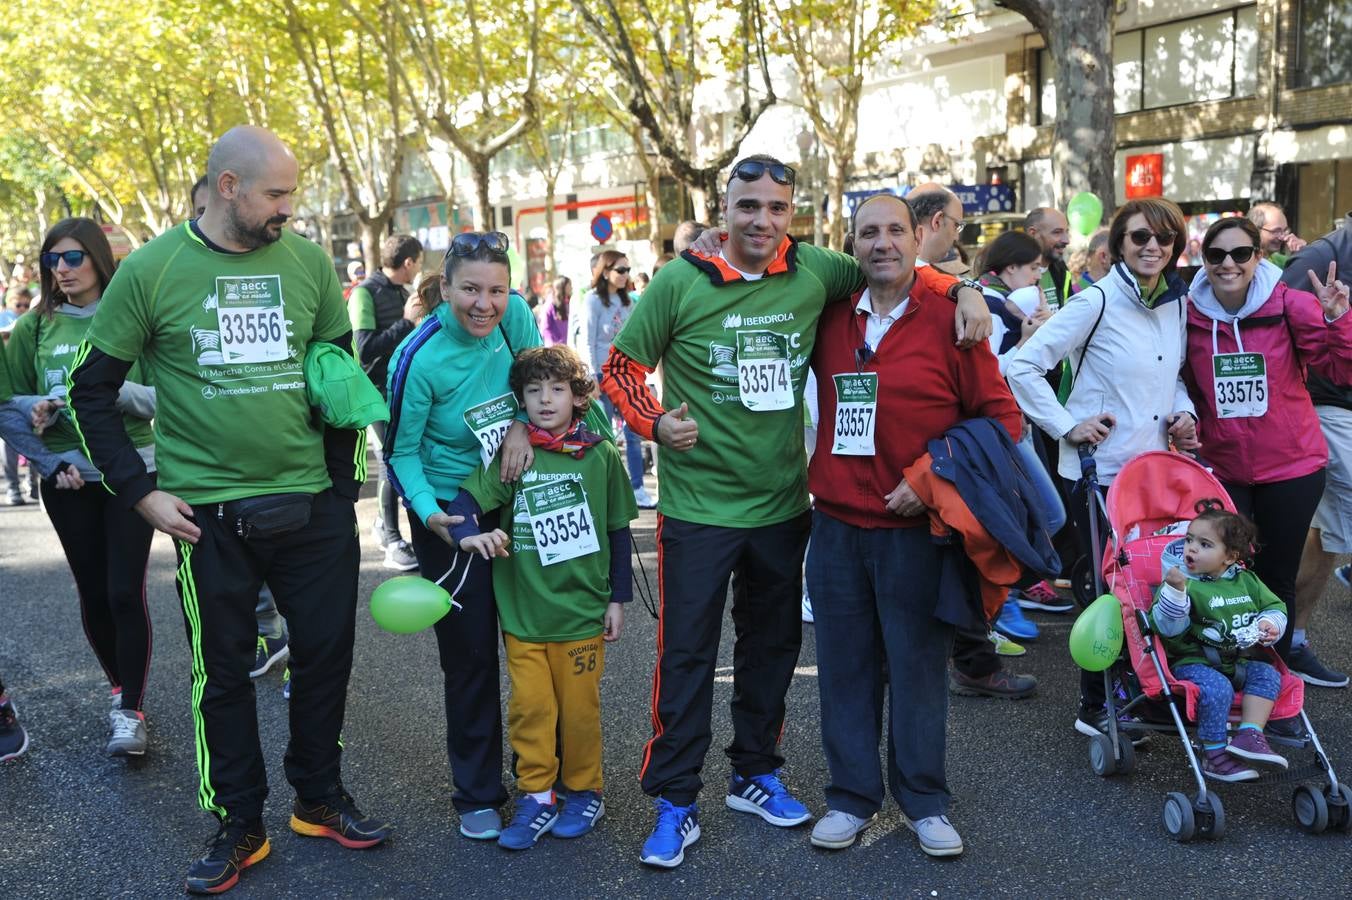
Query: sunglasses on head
{"type": "Point", "coordinates": [753, 169]}
{"type": "Point", "coordinates": [623, 270]}
{"type": "Point", "coordinates": [467, 243]}
{"type": "Point", "coordinates": [1141, 236]}
{"type": "Point", "coordinates": [1215, 255]}
{"type": "Point", "coordinates": [74, 259]}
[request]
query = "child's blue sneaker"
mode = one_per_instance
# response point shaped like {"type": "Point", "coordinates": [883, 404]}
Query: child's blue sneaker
{"type": "Point", "coordinates": [677, 828]}
{"type": "Point", "coordinates": [531, 820]}
{"type": "Point", "coordinates": [1014, 624]}
{"type": "Point", "coordinates": [581, 810]}
{"type": "Point", "coordinates": [766, 796]}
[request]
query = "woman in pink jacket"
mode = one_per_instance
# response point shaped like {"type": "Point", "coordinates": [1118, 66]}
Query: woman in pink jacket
{"type": "Point", "coordinates": [1250, 339]}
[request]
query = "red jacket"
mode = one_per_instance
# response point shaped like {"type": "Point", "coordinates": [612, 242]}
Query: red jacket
{"type": "Point", "coordinates": [1290, 331]}
{"type": "Point", "coordinates": [926, 385]}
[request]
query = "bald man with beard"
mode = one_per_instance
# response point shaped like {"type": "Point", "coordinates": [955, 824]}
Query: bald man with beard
{"type": "Point", "coordinates": [250, 487]}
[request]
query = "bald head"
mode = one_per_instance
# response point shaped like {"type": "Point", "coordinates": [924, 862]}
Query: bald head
{"type": "Point", "coordinates": [251, 179]}
{"type": "Point", "coordinates": [246, 150]}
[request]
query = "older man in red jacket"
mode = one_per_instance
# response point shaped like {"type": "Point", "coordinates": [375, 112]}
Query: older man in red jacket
{"type": "Point", "coordinates": [890, 379]}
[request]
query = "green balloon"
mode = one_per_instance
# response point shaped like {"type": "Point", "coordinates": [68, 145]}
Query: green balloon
{"type": "Point", "coordinates": [1096, 637]}
{"type": "Point", "coordinates": [408, 603]}
{"type": "Point", "coordinates": [1085, 213]}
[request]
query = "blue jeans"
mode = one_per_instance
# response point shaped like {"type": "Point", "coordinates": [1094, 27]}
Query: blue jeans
{"type": "Point", "coordinates": [1042, 480]}
{"type": "Point", "coordinates": [633, 446]}
{"type": "Point", "coordinates": [873, 596]}
{"type": "Point", "coordinates": [1218, 694]}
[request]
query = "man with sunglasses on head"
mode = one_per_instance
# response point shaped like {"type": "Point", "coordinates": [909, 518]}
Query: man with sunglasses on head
{"type": "Point", "coordinates": [252, 486]}
{"type": "Point", "coordinates": [733, 332]}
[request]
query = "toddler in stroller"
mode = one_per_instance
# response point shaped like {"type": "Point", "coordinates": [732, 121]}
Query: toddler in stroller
{"type": "Point", "coordinates": [1212, 613]}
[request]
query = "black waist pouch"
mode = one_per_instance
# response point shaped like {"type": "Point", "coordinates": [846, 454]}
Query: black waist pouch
{"type": "Point", "coordinates": [267, 515]}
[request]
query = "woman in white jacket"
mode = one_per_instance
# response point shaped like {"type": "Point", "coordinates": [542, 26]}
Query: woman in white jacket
{"type": "Point", "coordinates": [1124, 339]}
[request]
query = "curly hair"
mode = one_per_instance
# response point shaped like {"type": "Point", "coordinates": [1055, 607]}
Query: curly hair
{"type": "Point", "coordinates": [1237, 533]}
{"type": "Point", "coordinates": [557, 363]}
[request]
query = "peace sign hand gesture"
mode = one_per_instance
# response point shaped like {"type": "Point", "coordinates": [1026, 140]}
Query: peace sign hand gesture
{"type": "Point", "coordinates": [1332, 293]}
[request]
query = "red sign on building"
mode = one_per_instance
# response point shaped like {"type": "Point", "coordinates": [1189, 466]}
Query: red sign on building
{"type": "Point", "coordinates": [1145, 175]}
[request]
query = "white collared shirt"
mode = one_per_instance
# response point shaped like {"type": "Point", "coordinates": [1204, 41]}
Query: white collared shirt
{"type": "Point", "coordinates": [877, 325]}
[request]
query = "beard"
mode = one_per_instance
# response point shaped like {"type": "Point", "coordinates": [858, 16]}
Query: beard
{"type": "Point", "coordinates": [252, 234]}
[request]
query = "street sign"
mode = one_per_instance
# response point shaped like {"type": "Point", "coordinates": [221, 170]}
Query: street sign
{"type": "Point", "coordinates": [601, 229]}
{"type": "Point", "coordinates": [1145, 175]}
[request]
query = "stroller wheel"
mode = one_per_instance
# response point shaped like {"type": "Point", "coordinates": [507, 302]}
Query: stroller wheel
{"type": "Point", "coordinates": [1178, 817]}
{"type": "Point", "coordinates": [1209, 814]}
{"type": "Point", "coordinates": [1101, 755]}
{"type": "Point", "coordinates": [1310, 808]}
{"type": "Point", "coordinates": [1340, 807]}
{"type": "Point", "coordinates": [1082, 585]}
{"type": "Point", "coordinates": [1126, 754]}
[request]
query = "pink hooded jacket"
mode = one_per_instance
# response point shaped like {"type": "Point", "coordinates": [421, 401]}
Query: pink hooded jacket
{"type": "Point", "coordinates": [1288, 327]}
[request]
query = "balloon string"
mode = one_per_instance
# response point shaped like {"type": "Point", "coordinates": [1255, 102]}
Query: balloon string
{"type": "Point", "coordinates": [468, 560]}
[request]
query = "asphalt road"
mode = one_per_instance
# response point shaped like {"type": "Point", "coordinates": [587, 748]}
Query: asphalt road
{"type": "Point", "coordinates": [1035, 819]}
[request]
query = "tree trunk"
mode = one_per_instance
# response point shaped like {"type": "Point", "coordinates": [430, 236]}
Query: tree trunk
{"type": "Point", "coordinates": [652, 195]}
{"type": "Point", "coordinates": [839, 167]}
{"type": "Point", "coordinates": [1079, 35]}
{"type": "Point", "coordinates": [483, 212]}
{"type": "Point", "coordinates": [372, 230]}
{"type": "Point", "coordinates": [704, 197]}
{"type": "Point", "coordinates": [551, 265]}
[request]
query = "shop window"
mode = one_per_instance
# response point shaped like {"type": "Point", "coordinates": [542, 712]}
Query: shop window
{"type": "Point", "coordinates": [1323, 36]}
{"type": "Point", "coordinates": [571, 200]}
{"type": "Point", "coordinates": [1212, 57]}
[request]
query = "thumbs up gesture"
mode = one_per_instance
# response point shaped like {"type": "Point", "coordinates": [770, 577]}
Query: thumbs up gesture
{"type": "Point", "coordinates": [675, 429]}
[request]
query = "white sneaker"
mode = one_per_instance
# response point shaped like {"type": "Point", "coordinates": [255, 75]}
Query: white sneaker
{"type": "Point", "coordinates": [808, 617]}
{"type": "Point", "coordinates": [644, 499]}
{"type": "Point", "coordinates": [129, 734]}
{"type": "Point", "coordinates": [837, 830]}
{"type": "Point", "coordinates": [399, 556]}
{"type": "Point", "coordinates": [937, 835]}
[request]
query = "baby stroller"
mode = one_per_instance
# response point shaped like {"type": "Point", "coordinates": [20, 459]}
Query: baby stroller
{"type": "Point", "coordinates": [1155, 490]}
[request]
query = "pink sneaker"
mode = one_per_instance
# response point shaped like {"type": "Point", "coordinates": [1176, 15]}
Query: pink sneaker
{"type": "Point", "coordinates": [1042, 596]}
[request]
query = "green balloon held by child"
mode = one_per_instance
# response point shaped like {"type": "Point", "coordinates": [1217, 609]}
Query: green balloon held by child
{"type": "Point", "coordinates": [1096, 637]}
{"type": "Point", "coordinates": [408, 604]}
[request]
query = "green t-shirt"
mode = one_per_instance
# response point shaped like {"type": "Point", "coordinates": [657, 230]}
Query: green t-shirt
{"type": "Point", "coordinates": [41, 356]}
{"type": "Point", "coordinates": [748, 468]}
{"type": "Point", "coordinates": [6, 390]}
{"type": "Point", "coordinates": [226, 335]}
{"type": "Point", "coordinates": [565, 601]}
{"type": "Point", "coordinates": [1224, 604]}
{"type": "Point", "coordinates": [361, 309]}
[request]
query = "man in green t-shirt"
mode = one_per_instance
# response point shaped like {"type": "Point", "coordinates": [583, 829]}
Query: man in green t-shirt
{"type": "Point", "coordinates": [734, 333]}
{"type": "Point", "coordinates": [223, 309]}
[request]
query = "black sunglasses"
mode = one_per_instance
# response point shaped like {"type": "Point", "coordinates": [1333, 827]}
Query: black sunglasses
{"type": "Point", "coordinates": [74, 259]}
{"type": "Point", "coordinates": [467, 243]}
{"type": "Point", "coordinates": [863, 356]}
{"type": "Point", "coordinates": [623, 270]}
{"type": "Point", "coordinates": [1215, 255]}
{"type": "Point", "coordinates": [753, 169]}
{"type": "Point", "coordinates": [1141, 236]}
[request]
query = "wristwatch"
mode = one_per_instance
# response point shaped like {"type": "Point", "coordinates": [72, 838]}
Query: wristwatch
{"type": "Point", "coordinates": [962, 283]}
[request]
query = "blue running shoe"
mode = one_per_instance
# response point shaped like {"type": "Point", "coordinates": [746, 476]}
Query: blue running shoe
{"type": "Point", "coordinates": [766, 796]}
{"type": "Point", "coordinates": [531, 820]}
{"type": "Point", "coordinates": [1344, 574]}
{"type": "Point", "coordinates": [1013, 624]}
{"type": "Point", "coordinates": [581, 810]}
{"type": "Point", "coordinates": [677, 828]}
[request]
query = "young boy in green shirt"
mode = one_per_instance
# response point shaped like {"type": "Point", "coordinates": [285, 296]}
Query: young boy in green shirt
{"type": "Point", "coordinates": [560, 588]}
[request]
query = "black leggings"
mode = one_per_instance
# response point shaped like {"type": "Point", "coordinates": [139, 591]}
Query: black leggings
{"type": "Point", "coordinates": [1282, 510]}
{"type": "Point", "coordinates": [107, 548]}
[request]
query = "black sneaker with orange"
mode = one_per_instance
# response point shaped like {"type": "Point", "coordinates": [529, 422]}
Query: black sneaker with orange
{"type": "Point", "coordinates": [237, 845]}
{"type": "Point", "coordinates": [337, 818]}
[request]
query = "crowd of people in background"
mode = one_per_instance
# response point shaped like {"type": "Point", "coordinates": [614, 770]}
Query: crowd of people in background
{"type": "Point", "coordinates": [519, 444]}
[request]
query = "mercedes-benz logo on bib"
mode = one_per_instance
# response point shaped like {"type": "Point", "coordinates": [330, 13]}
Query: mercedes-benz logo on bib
{"type": "Point", "coordinates": [209, 391]}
